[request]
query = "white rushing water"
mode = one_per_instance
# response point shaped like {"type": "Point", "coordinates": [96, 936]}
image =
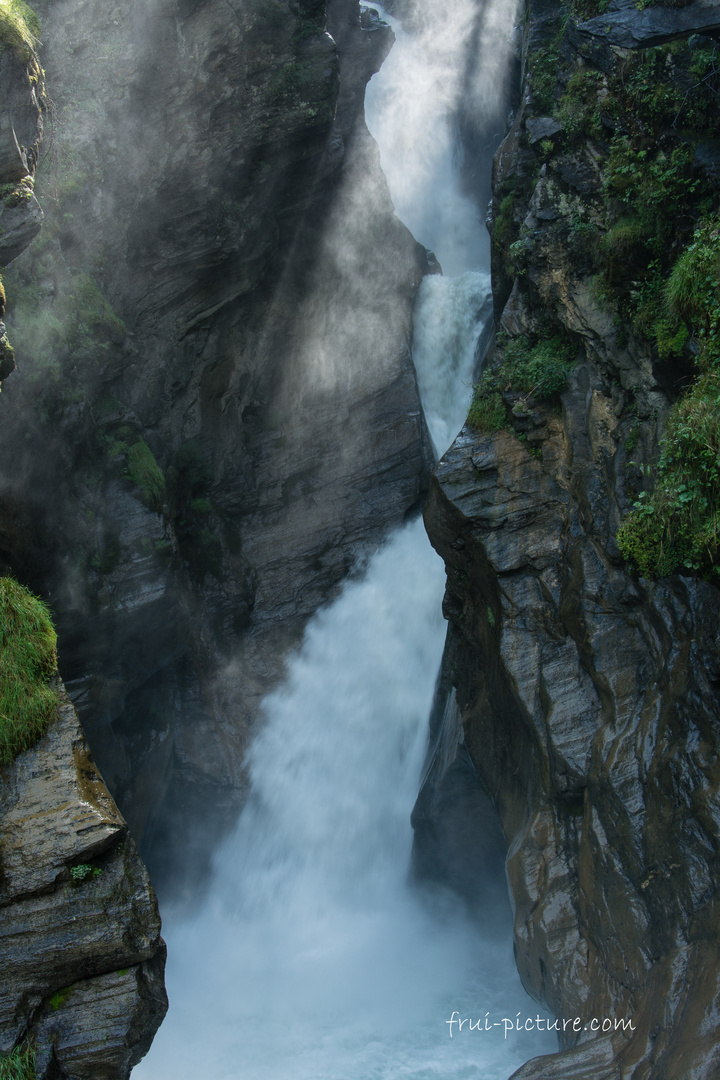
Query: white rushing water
{"type": "Point", "coordinates": [313, 959]}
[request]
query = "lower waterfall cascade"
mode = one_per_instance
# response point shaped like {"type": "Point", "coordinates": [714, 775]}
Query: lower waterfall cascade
{"type": "Point", "coordinates": [312, 958]}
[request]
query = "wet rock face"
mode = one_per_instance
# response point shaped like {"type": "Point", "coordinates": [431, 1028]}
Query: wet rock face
{"type": "Point", "coordinates": [81, 951]}
{"type": "Point", "coordinates": [224, 281]}
{"type": "Point", "coordinates": [588, 697]}
{"type": "Point", "coordinates": [590, 712]}
{"type": "Point", "coordinates": [625, 26]}
{"type": "Point", "coordinates": [23, 100]}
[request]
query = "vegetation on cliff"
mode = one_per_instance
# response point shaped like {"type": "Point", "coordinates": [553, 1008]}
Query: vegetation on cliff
{"type": "Point", "coordinates": [677, 524]}
{"type": "Point", "coordinates": [624, 155]}
{"type": "Point", "coordinates": [19, 29]}
{"type": "Point", "coordinates": [28, 661]}
{"type": "Point", "coordinates": [526, 371]}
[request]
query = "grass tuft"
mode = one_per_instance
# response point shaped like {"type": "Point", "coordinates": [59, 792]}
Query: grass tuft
{"type": "Point", "coordinates": [18, 1065]}
{"type": "Point", "coordinates": [27, 661]}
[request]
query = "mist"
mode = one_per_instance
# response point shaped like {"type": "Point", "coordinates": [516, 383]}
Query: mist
{"type": "Point", "coordinates": [312, 957]}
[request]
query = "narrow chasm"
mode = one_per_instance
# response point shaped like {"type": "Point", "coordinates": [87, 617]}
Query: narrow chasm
{"type": "Point", "coordinates": [313, 954]}
{"type": "Point", "coordinates": [374, 535]}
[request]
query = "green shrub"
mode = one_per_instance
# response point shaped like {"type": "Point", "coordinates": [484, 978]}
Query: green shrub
{"type": "Point", "coordinates": [676, 526]}
{"type": "Point", "coordinates": [200, 506]}
{"type": "Point", "coordinates": [693, 289]}
{"type": "Point", "coordinates": [487, 412]}
{"type": "Point", "coordinates": [27, 662]}
{"type": "Point", "coordinates": [540, 371]}
{"type": "Point", "coordinates": [18, 1064]}
{"type": "Point", "coordinates": [577, 109]}
{"type": "Point", "coordinates": [543, 373]}
{"type": "Point", "coordinates": [144, 471]}
{"type": "Point", "coordinates": [542, 73]}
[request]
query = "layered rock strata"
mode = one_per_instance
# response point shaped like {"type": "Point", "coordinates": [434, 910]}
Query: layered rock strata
{"type": "Point", "coordinates": [588, 696]}
{"type": "Point", "coordinates": [80, 946]}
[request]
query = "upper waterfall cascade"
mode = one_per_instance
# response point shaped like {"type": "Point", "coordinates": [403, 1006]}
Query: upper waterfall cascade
{"type": "Point", "coordinates": [312, 958]}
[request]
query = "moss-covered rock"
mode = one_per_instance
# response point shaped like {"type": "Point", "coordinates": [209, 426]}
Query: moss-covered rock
{"type": "Point", "coordinates": [28, 662]}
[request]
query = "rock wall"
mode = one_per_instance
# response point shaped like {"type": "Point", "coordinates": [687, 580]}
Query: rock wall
{"type": "Point", "coordinates": [217, 410]}
{"type": "Point", "coordinates": [81, 952]}
{"type": "Point", "coordinates": [80, 948]}
{"type": "Point", "coordinates": [588, 696]}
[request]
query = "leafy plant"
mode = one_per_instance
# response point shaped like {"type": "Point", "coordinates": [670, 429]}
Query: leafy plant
{"type": "Point", "coordinates": [577, 109]}
{"type": "Point", "coordinates": [84, 871]}
{"type": "Point", "coordinates": [693, 289]}
{"type": "Point", "coordinates": [542, 72]}
{"type": "Point", "coordinates": [28, 660]}
{"type": "Point", "coordinates": [676, 526]}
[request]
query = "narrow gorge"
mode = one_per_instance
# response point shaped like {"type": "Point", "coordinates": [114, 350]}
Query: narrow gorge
{"type": "Point", "coordinates": [250, 299]}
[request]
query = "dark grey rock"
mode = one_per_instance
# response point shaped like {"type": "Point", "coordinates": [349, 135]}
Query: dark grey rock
{"type": "Point", "coordinates": [83, 960]}
{"type": "Point", "coordinates": [707, 158]}
{"type": "Point", "coordinates": [19, 225]}
{"type": "Point", "coordinates": [624, 26]}
{"type": "Point", "coordinates": [542, 127]}
{"type": "Point", "coordinates": [579, 173]}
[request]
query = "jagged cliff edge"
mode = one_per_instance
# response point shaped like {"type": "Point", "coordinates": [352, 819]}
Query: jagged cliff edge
{"type": "Point", "coordinates": [588, 695]}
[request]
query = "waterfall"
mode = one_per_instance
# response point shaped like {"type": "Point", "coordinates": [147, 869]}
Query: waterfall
{"type": "Point", "coordinates": [312, 958]}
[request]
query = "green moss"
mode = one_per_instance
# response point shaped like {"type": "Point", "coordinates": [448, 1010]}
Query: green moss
{"type": "Point", "coordinates": [626, 240]}
{"type": "Point", "coordinates": [19, 28]}
{"type": "Point", "coordinates": [27, 662]}
{"type": "Point", "coordinates": [58, 998]}
{"type": "Point", "coordinates": [89, 318]}
{"type": "Point", "coordinates": [144, 471]}
{"type": "Point", "coordinates": [19, 1064]}
{"type": "Point", "coordinates": [200, 506]}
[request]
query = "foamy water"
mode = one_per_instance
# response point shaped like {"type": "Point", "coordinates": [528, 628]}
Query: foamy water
{"type": "Point", "coordinates": [312, 958]}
